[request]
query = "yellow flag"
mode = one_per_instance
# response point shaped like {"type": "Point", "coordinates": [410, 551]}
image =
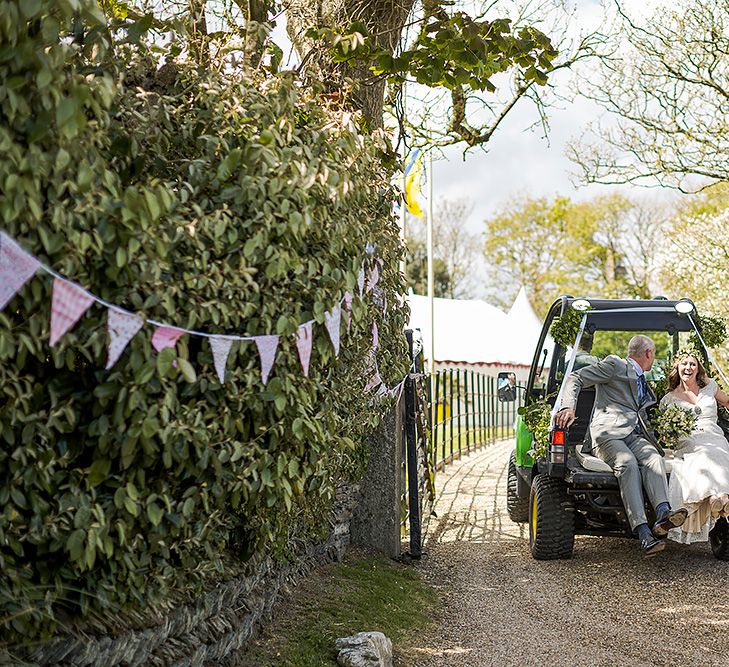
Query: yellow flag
{"type": "Point", "coordinates": [413, 179]}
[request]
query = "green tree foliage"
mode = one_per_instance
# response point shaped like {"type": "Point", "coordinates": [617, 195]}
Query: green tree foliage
{"type": "Point", "coordinates": [207, 202]}
{"type": "Point", "coordinates": [606, 247]}
{"type": "Point", "coordinates": [542, 245]}
{"type": "Point", "coordinates": [354, 54]}
{"type": "Point", "coordinates": [417, 271]}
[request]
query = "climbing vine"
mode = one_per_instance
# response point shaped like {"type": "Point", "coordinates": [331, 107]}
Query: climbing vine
{"type": "Point", "coordinates": [211, 201]}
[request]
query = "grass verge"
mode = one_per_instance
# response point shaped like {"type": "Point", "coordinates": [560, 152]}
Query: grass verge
{"type": "Point", "coordinates": [365, 593]}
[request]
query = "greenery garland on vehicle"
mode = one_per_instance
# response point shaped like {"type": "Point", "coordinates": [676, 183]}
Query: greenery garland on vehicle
{"type": "Point", "coordinates": [538, 418]}
{"type": "Point", "coordinates": [713, 331]}
{"type": "Point", "coordinates": [673, 424]}
{"type": "Point", "coordinates": [564, 328]}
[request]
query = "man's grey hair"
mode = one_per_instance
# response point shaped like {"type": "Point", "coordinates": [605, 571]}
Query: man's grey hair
{"type": "Point", "coordinates": [639, 345]}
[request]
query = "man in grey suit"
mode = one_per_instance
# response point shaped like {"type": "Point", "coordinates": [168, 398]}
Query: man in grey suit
{"type": "Point", "coordinates": [622, 438]}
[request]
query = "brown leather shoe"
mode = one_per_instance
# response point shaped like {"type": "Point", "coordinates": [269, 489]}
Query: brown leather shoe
{"type": "Point", "coordinates": [669, 520]}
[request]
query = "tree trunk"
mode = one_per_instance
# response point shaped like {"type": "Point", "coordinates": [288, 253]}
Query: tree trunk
{"type": "Point", "coordinates": [360, 90]}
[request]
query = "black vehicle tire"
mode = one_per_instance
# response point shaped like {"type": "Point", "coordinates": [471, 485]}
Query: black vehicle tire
{"type": "Point", "coordinates": [516, 507]}
{"type": "Point", "coordinates": [719, 539]}
{"type": "Point", "coordinates": [551, 519]}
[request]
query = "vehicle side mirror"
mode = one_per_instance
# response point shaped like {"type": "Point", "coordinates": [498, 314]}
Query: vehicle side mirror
{"type": "Point", "coordinates": [506, 387]}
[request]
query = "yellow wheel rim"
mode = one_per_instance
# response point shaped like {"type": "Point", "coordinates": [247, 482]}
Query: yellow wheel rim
{"type": "Point", "coordinates": [533, 521]}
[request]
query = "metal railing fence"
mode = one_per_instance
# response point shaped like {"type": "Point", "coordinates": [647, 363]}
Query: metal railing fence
{"type": "Point", "coordinates": [468, 414]}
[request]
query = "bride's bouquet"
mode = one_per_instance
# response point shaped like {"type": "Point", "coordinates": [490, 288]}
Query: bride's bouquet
{"type": "Point", "coordinates": [673, 424]}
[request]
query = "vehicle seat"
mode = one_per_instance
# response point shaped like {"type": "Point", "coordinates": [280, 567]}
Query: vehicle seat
{"type": "Point", "coordinates": [595, 464]}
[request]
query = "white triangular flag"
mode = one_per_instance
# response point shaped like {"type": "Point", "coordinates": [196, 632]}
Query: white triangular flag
{"type": "Point", "coordinates": [361, 280]}
{"type": "Point", "coordinates": [16, 268]}
{"type": "Point", "coordinates": [267, 352]}
{"type": "Point", "coordinates": [220, 345]}
{"type": "Point", "coordinates": [332, 323]}
{"type": "Point", "coordinates": [70, 302]}
{"type": "Point", "coordinates": [375, 336]}
{"type": "Point", "coordinates": [304, 340]}
{"type": "Point", "coordinates": [373, 277]}
{"type": "Point", "coordinates": [122, 326]}
{"type": "Point", "coordinates": [348, 305]}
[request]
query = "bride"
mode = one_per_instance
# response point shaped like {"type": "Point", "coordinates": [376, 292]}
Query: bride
{"type": "Point", "coordinates": [700, 478]}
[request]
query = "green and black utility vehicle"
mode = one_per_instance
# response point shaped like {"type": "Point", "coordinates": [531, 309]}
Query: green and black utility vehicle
{"type": "Point", "coordinates": [552, 484]}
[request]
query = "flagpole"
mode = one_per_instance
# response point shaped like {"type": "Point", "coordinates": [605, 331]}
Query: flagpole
{"type": "Point", "coordinates": [431, 281]}
{"type": "Point", "coordinates": [403, 207]}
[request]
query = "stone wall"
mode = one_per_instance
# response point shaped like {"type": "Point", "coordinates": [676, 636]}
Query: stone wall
{"type": "Point", "coordinates": [207, 631]}
{"type": "Point", "coordinates": [376, 520]}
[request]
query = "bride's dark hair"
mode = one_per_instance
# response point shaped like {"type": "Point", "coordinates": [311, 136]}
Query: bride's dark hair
{"type": "Point", "coordinates": [673, 378]}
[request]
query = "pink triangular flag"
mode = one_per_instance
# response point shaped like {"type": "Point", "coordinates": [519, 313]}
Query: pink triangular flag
{"type": "Point", "coordinates": [375, 379]}
{"type": "Point", "coordinates": [164, 337]}
{"type": "Point", "coordinates": [304, 340]}
{"type": "Point", "coordinates": [220, 346]}
{"type": "Point", "coordinates": [122, 326]}
{"type": "Point", "coordinates": [69, 303]}
{"type": "Point", "coordinates": [332, 323]}
{"type": "Point", "coordinates": [375, 336]}
{"type": "Point", "coordinates": [348, 304]}
{"type": "Point", "coordinates": [373, 277]}
{"type": "Point", "coordinates": [267, 352]}
{"type": "Point", "coordinates": [16, 268]}
{"type": "Point", "coordinates": [361, 280]}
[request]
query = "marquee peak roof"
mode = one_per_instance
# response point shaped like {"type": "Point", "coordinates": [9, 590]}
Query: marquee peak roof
{"type": "Point", "coordinates": [472, 331]}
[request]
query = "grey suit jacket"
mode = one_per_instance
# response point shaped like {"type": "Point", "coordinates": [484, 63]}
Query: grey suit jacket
{"type": "Point", "coordinates": [616, 412]}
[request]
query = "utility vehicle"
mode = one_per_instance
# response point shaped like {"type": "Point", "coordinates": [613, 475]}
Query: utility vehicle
{"type": "Point", "coordinates": [567, 492]}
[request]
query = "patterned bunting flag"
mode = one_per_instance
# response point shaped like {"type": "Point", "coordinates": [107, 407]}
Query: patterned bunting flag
{"type": "Point", "coordinates": [374, 277]}
{"type": "Point", "coordinates": [332, 323]}
{"type": "Point", "coordinates": [361, 280]}
{"type": "Point", "coordinates": [220, 346]}
{"type": "Point", "coordinates": [70, 302]}
{"type": "Point", "coordinates": [348, 305]}
{"type": "Point", "coordinates": [375, 379]}
{"type": "Point", "coordinates": [304, 340]}
{"type": "Point", "coordinates": [122, 328]}
{"type": "Point", "coordinates": [16, 268]}
{"type": "Point", "coordinates": [164, 337]}
{"type": "Point", "coordinates": [375, 336]}
{"type": "Point", "coordinates": [267, 352]}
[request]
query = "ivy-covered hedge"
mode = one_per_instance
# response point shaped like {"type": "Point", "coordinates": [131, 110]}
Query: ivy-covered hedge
{"type": "Point", "coordinates": [211, 202]}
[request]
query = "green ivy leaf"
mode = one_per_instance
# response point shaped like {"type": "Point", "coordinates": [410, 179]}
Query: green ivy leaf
{"type": "Point", "coordinates": [75, 544]}
{"type": "Point", "coordinates": [188, 372]}
{"type": "Point", "coordinates": [155, 513]}
{"type": "Point", "coordinates": [99, 471]}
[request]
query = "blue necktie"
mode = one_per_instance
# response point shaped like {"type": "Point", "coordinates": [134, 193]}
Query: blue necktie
{"type": "Point", "coordinates": [642, 390]}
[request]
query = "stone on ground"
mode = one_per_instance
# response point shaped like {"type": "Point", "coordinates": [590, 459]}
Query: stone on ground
{"type": "Point", "coordinates": [365, 649]}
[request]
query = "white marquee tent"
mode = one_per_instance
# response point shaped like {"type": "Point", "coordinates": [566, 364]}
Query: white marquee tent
{"type": "Point", "coordinates": [474, 333]}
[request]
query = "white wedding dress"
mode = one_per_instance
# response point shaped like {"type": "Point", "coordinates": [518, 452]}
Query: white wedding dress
{"type": "Point", "coordinates": [700, 467]}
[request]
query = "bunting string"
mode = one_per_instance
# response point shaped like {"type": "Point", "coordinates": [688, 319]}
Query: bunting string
{"type": "Point", "coordinates": [70, 301]}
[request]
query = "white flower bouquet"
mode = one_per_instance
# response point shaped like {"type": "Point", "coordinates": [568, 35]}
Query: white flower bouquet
{"type": "Point", "coordinates": [673, 424]}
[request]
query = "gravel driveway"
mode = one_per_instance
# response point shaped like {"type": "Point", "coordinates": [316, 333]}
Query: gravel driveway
{"type": "Point", "coordinates": [607, 606]}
